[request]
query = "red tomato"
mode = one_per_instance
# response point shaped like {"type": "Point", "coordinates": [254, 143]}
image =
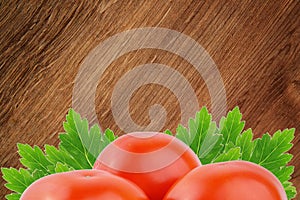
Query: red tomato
{"type": "Point", "coordinates": [154, 161]}
{"type": "Point", "coordinates": [83, 185]}
{"type": "Point", "coordinates": [234, 180]}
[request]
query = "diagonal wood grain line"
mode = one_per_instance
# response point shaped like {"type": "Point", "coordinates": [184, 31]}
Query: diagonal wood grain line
{"type": "Point", "coordinates": [255, 45]}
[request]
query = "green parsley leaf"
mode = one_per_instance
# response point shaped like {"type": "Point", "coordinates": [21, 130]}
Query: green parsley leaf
{"type": "Point", "coordinates": [74, 141]}
{"type": "Point", "coordinates": [231, 154]}
{"type": "Point", "coordinates": [270, 152]}
{"type": "Point", "coordinates": [13, 196]}
{"type": "Point", "coordinates": [17, 180]}
{"type": "Point", "coordinates": [62, 168]}
{"type": "Point", "coordinates": [79, 147]}
{"type": "Point", "coordinates": [290, 189]}
{"type": "Point", "coordinates": [33, 158]}
{"type": "Point", "coordinates": [245, 142]}
{"type": "Point", "coordinates": [168, 132]}
{"type": "Point", "coordinates": [231, 142]}
{"type": "Point", "coordinates": [231, 126]}
{"type": "Point", "coordinates": [60, 156]}
{"type": "Point", "coordinates": [201, 136]}
{"type": "Point", "coordinates": [82, 144]}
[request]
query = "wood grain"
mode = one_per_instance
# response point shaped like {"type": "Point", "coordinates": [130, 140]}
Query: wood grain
{"type": "Point", "coordinates": [255, 45]}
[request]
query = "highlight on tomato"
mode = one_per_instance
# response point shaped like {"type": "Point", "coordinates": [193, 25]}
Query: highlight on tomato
{"type": "Point", "coordinates": [83, 185]}
{"type": "Point", "coordinates": [233, 180]}
{"type": "Point", "coordinates": [154, 161]}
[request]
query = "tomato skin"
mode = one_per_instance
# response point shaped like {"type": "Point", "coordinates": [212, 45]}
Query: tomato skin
{"type": "Point", "coordinates": [83, 185]}
{"type": "Point", "coordinates": [154, 181]}
{"type": "Point", "coordinates": [234, 180]}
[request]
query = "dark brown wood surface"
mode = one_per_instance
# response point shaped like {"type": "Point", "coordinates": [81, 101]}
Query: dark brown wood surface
{"type": "Point", "coordinates": [255, 45]}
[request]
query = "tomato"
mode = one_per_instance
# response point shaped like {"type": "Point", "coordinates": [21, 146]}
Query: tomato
{"type": "Point", "coordinates": [234, 180]}
{"type": "Point", "coordinates": [83, 185]}
{"type": "Point", "coordinates": [154, 161]}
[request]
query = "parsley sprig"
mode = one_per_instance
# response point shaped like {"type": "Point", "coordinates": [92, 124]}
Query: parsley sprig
{"type": "Point", "coordinates": [79, 147]}
{"type": "Point", "coordinates": [231, 142]}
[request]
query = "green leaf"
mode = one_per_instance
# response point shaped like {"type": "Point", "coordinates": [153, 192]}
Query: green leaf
{"type": "Point", "coordinates": [78, 149]}
{"type": "Point", "coordinates": [37, 174]}
{"type": "Point", "coordinates": [201, 136]}
{"type": "Point", "coordinates": [230, 142]}
{"type": "Point", "coordinates": [290, 190]}
{"type": "Point", "coordinates": [284, 173]}
{"type": "Point", "coordinates": [62, 168]}
{"type": "Point", "coordinates": [270, 152]}
{"type": "Point", "coordinates": [198, 129]}
{"type": "Point", "coordinates": [231, 154]}
{"type": "Point", "coordinates": [82, 144]}
{"type": "Point", "coordinates": [168, 132]}
{"type": "Point", "coordinates": [13, 196]}
{"type": "Point", "coordinates": [17, 180]}
{"type": "Point", "coordinates": [211, 145]}
{"type": "Point", "coordinates": [60, 156]}
{"type": "Point", "coordinates": [228, 146]}
{"type": "Point", "coordinates": [72, 141]}
{"type": "Point", "coordinates": [105, 139]}
{"type": "Point", "coordinates": [109, 135]}
{"type": "Point", "coordinates": [244, 141]}
{"type": "Point", "coordinates": [183, 134]}
{"type": "Point", "coordinates": [33, 158]}
{"type": "Point", "coordinates": [231, 126]}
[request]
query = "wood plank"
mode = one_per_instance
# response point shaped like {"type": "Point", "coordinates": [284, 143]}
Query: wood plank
{"type": "Point", "coordinates": [255, 45]}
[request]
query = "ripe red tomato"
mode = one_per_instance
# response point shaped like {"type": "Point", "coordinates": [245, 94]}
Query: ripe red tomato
{"type": "Point", "coordinates": [234, 180]}
{"type": "Point", "coordinates": [83, 185]}
{"type": "Point", "coordinates": [154, 161]}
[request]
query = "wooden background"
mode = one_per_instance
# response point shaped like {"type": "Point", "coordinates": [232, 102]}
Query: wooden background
{"type": "Point", "coordinates": [255, 45]}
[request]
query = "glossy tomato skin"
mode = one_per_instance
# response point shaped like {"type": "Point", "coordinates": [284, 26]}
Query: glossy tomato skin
{"type": "Point", "coordinates": [234, 180]}
{"type": "Point", "coordinates": [155, 181]}
{"type": "Point", "coordinates": [83, 185]}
